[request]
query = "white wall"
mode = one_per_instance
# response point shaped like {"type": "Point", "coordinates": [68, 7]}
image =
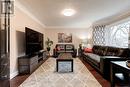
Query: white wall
{"type": "Point", "coordinates": [78, 34]}
{"type": "Point", "coordinates": [19, 21]}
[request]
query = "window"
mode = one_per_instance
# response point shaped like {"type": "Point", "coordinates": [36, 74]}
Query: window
{"type": "Point", "coordinates": [118, 35]}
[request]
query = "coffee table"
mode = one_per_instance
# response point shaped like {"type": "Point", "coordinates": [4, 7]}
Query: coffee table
{"type": "Point", "coordinates": [64, 63]}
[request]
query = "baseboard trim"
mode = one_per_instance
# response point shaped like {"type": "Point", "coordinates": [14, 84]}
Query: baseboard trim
{"type": "Point", "coordinates": [12, 75]}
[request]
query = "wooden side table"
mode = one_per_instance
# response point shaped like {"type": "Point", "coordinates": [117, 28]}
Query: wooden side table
{"type": "Point", "coordinates": [117, 67]}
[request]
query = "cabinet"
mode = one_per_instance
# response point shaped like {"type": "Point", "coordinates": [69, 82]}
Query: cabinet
{"type": "Point", "coordinates": [28, 64]}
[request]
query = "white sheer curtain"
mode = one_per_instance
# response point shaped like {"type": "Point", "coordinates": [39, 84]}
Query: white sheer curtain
{"type": "Point", "coordinates": [118, 35]}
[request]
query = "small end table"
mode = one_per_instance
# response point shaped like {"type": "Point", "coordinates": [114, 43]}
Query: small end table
{"type": "Point", "coordinates": [116, 67]}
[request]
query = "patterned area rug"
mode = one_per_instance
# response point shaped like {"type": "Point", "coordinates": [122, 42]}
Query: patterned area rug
{"type": "Point", "coordinates": [46, 76]}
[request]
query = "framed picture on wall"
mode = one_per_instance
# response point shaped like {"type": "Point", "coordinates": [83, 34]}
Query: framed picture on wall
{"type": "Point", "coordinates": [64, 37]}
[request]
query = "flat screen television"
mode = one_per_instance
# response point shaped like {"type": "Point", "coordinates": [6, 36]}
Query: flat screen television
{"type": "Point", "coordinates": [34, 41]}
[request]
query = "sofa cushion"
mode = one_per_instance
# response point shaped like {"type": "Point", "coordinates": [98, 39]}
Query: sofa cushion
{"type": "Point", "coordinates": [69, 47]}
{"type": "Point", "coordinates": [124, 52]}
{"type": "Point", "coordinates": [100, 50]}
{"type": "Point", "coordinates": [95, 49]}
{"type": "Point", "coordinates": [112, 51]}
{"type": "Point", "coordinates": [60, 46]}
{"type": "Point", "coordinates": [69, 51]}
{"type": "Point", "coordinates": [120, 52]}
{"type": "Point", "coordinates": [61, 51]}
{"type": "Point", "coordinates": [93, 58]}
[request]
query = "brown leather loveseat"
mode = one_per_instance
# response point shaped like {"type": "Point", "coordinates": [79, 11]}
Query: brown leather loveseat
{"type": "Point", "coordinates": [64, 48]}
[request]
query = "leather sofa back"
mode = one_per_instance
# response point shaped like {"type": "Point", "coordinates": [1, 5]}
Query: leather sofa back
{"type": "Point", "coordinates": [110, 51]}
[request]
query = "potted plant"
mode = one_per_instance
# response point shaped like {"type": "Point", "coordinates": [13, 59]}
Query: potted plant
{"type": "Point", "coordinates": [48, 44]}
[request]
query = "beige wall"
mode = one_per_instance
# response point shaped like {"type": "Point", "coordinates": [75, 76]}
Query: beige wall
{"type": "Point", "coordinates": [19, 21]}
{"type": "Point", "coordinates": [22, 19]}
{"type": "Point", "coordinates": [78, 34]}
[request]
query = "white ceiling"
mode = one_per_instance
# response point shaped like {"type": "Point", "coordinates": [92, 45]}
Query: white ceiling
{"type": "Point", "coordinates": [87, 11]}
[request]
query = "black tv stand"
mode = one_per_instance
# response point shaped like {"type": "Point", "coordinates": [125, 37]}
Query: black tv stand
{"type": "Point", "coordinates": [27, 64]}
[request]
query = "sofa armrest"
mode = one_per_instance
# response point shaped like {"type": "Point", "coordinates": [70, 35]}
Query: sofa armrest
{"type": "Point", "coordinates": [105, 64]}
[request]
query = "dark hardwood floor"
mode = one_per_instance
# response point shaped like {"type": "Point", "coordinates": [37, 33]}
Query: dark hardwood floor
{"type": "Point", "coordinates": [4, 83]}
{"type": "Point", "coordinates": [99, 78]}
{"type": "Point", "coordinates": [15, 82]}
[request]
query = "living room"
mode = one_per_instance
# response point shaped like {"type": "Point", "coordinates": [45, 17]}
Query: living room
{"type": "Point", "coordinates": [94, 27]}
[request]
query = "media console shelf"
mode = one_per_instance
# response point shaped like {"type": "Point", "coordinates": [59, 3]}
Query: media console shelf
{"type": "Point", "coordinates": [28, 64]}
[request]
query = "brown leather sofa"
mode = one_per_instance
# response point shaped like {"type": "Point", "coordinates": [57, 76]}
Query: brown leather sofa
{"type": "Point", "coordinates": [64, 48]}
{"type": "Point", "coordinates": [102, 55]}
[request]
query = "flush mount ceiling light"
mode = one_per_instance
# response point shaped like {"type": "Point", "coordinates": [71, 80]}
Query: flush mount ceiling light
{"type": "Point", "coordinates": [68, 12]}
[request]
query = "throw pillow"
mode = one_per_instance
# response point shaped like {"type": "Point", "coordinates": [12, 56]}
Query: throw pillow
{"type": "Point", "coordinates": [58, 48]}
{"type": "Point", "coordinates": [88, 50]}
